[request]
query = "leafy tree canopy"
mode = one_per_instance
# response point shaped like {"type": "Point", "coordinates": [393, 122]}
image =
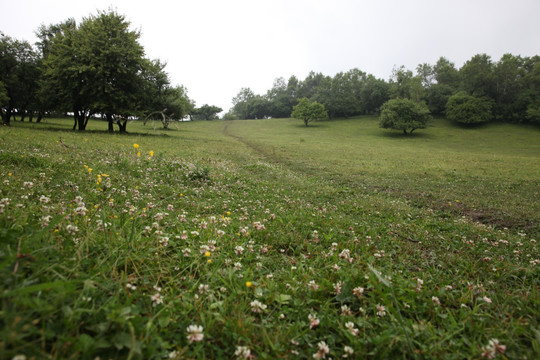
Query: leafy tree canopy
{"type": "Point", "coordinates": [468, 109]}
{"type": "Point", "coordinates": [404, 115]}
{"type": "Point", "coordinates": [308, 111]}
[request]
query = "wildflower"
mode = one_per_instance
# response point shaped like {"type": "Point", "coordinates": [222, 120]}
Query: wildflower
{"type": "Point", "coordinates": [131, 286]}
{"type": "Point", "coordinates": [487, 300]}
{"type": "Point", "coordinates": [136, 146]}
{"type": "Point", "coordinates": [249, 284]}
{"type": "Point", "coordinates": [435, 300]}
{"type": "Point", "coordinates": [195, 333]}
{"type": "Point", "coordinates": [258, 226]}
{"type": "Point", "coordinates": [237, 266]}
{"type": "Point", "coordinates": [203, 288]}
{"type": "Point", "coordinates": [493, 347]}
{"type": "Point", "coordinates": [45, 221]}
{"type": "Point", "coordinates": [238, 250]}
{"type": "Point", "coordinates": [257, 306]}
{"type": "Point", "coordinates": [322, 352]}
{"type": "Point", "coordinates": [156, 299]}
{"type": "Point", "coordinates": [72, 229]}
{"type": "Point", "coordinates": [151, 153]}
{"type": "Point", "coordinates": [313, 321]}
{"type": "Point", "coordinates": [242, 352]}
{"type": "Point", "coordinates": [42, 199]}
{"type": "Point", "coordinates": [337, 287]}
{"type": "Point", "coordinates": [312, 285]}
{"type": "Point", "coordinates": [419, 283]}
{"type": "Point", "coordinates": [348, 351]}
{"type": "Point", "coordinates": [352, 330]}
{"type": "Point", "coordinates": [345, 310]}
{"type": "Point", "coordinates": [358, 291]}
{"type": "Point", "coordinates": [381, 310]}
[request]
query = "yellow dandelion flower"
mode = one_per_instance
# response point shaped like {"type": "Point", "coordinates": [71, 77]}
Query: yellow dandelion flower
{"type": "Point", "coordinates": [249, 284]}
{"type": "Point", "coordinates": [138, 153]}
{"type": "Point", "coordinates": [136, 146]}
{"type": "Point", "coordinates": [207, 254]}
{"type": "Point", "coordinates": [151, 153]}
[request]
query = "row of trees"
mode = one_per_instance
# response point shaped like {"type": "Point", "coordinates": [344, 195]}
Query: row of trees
{"type": "Point", "coordinates": [509, 89]}
{"type": "Point", "coordinates": [95, 68]}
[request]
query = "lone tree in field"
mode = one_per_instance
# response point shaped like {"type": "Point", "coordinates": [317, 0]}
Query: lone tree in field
{"type": "Point", "coordinates": [404, 115]}
{"type": "Point", "coordinates": [308, 111]}
{"type": "Point", "coordinates": [468, 109]}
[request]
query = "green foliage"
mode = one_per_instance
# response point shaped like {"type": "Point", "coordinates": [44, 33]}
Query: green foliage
{"type": "Point", "coordinates": [468, 109]}
{"type": "Point", "coordinates": [533, 112]}
{"type": "Point", "coordinates": [404, 115]}
{"type": "Point", "coordinates": [4, 98]}
{"type": "Point", "coordinates": [308, 111]}
{"type": "Point", "coordinates": [19, 74]}
{"type": "Point", "coordinates": [405, 85]}
{"type": "Point", "coordinates": [206, 112]}
{"type": "Point", "coordinates": [437, 96]}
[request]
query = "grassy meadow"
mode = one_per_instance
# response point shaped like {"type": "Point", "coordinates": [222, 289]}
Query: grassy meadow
{"type": "Point", "coordinates": [266, 239]}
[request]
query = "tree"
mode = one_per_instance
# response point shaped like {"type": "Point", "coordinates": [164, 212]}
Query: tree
{"type": "Point", "coordinates": [477, 76]}
{"type": "Point", "coordinates": [241, 103]}
{"type": "Point", "coordinates": [468, 109]}
{"type": "Point", "coordinates": [426, 74]}
{"type": "Point", "coordinates": [437, 96]}
{"type": "Point", "coordinates": [97, 67]}
{"type": "Point", "coordinates": [64, 75]}
{"type": "Point", "coordinates": [446, 73]}
{"type": "Point", "coordinates": [308, 111]}
{"type": "Point", "coordinates": [177, 103]}
{"type": "Point", "coordinates": [4, 99]}
{"type": "Point", "coordinates": [405, 85]}
{"type": "Point", "coordinates": [404, 115]}
{"type": "Point", "coordinates": [374, 94]}
{"type": "Point", "coordinates": [206, 112]}
{"type": "Point", "coordinates": [112, 60]}
{"type": "Point", "coordinates": [19, 73]}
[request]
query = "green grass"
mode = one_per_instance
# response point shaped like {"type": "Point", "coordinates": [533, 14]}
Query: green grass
{"type": "Point", "coordinates": [439, 228]}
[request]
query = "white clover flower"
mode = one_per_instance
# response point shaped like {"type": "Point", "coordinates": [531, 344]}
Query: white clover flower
{"type": "Point", "coordinates": [350, 327]}
{"type": "Point", "coordinates": [257, 306]}
{"type": "Point", "coordinates": [242, 352]}
{"type": "Point", "coordinates": [195, 333]}
{"type": "Point", "coordinates": [322, 352]}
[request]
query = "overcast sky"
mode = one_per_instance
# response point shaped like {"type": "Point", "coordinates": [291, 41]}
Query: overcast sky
{"type": "Point", "coordinates": [216, 47]}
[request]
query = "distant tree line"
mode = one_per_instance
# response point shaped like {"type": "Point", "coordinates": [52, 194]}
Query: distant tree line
{"type": "Point", "coordinates": [481, 90]}
{"type": "Point", "coordinates": [95, 68]}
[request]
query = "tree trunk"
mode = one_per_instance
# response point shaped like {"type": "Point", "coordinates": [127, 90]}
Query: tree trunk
{"type": "Point", "coordinates": [306, 122]}
{"type": "Point", "coordinates": [30, 116]}
{"type": "Point", "coordinates": [6, 117]}
{"type": "Point", "coordinates": [23, 115]}
{"type": "Point", "coordinates": [122, 126]}
{"type": "Point", "coordinates": [40, 117]}
{"type": "Point", "coordinates": [110, 120]}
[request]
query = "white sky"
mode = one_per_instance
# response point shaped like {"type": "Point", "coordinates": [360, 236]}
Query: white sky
{"type": "Point", "coordinates": [216, 47]}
